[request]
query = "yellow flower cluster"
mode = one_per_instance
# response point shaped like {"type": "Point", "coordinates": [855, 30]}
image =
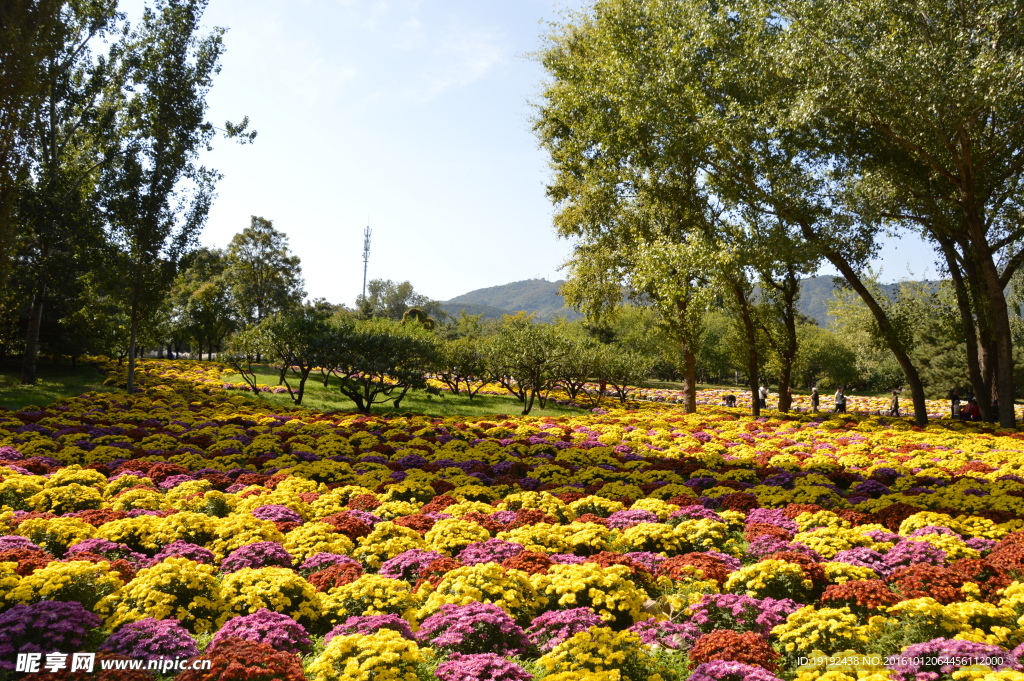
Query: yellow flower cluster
{"type": "Point", "coordinates": [275, 588]}
{"type": "Point", "coordinates": [609, 591]}
{"type": "Point", "coordinates": [511, 590]}
{"type": "Point", "coordinates": [175, 587]}
{"type": "Point", "coordinates": [368, 595]}
{"type": "Point", "coordinates": [386, 541]}
{"type": "Point", "coordinates": [77, 580]}
{"type": "Point", "coordinates": [599, 649]}
{"type": "Point", "coordinates": [770, 579]}
{"type": "Point", "coordinates": [382, 656]}
{"type": "Point", "coordinates": [826, 629]}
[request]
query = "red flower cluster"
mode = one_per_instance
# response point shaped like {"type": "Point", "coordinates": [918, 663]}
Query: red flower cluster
{"type": "Point", "coordinates": [861, 596]}
{"type": "Point", "coordinates": [336, 575]}
{"type": "Point", "coordinates": [725, 644]}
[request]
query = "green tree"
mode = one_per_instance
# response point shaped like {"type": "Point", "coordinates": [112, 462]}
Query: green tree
{"type": "Point", "coordinates": [203, 308]}
{"type": "Point", "coordinates": [922, 105]}
{"type": "Point", "coordinates": [690, 107]}
{"type": "Point", "coordinates": [298, 341]}
{"type": "Point", "coordinates": [378, 360]}
{"type": "Point", "coordinates": [59, 226]}
{"type": "Point", "coordinates": [462, 365]}
{"type": "Point", "coordinates": [265, 277]}
{"type": "Point", "coordinates": [31, 33]}
{"type": "Point", "coordinates": [523, 357]}
{"type": "Point", "coordinates": [157, 197]}
{"type": "Point", "coordinates": [390, 300]}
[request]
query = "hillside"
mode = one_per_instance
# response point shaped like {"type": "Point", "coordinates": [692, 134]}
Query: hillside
{"type": "Point", "coordinates": [530, 295]}
{"type": "Point", "coordinates": [541, 296]}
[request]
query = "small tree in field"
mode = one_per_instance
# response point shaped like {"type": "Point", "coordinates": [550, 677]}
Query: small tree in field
{"type": "Point", "coordinates": [244, 353]}
{"type": "Point", "coordinates": [298, 341]}
{"type": "Point", "coordinates": [378, 360]}
{"type": "Point", "coordinates": [523, 357]}
{"type": "Point", "coordinates": [623, 369]}
{"type": "Point", "coordinates": [462, 366]}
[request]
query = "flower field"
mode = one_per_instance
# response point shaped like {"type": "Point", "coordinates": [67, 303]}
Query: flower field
{"type": "Point", "coordinates": [634, 544]}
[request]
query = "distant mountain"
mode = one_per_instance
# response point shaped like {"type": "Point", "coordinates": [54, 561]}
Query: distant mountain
{"type": "Point", "coordinates": [817, 292]}
{"type": "Point", "coordinates": [539, 296]}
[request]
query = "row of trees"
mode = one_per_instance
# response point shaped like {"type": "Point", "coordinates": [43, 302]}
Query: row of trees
{"type": "Point", "coordinates": [702, 149]}
{"type": "Point", "coordinates": [379, 359]}
{"type": "Point", "coordinates": [101, 190]}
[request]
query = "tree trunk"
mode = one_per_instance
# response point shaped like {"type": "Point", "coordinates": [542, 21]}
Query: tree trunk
{"type": "Point", "coordinates": [972, 333]}
{"type": "Point", "coordinates": [35, 319]}
{"type": "Point", "coordinates": [884, 325]}
{"type": "Point", "coordinates": [1003, 340]}
{"type": "Point", "coordinates": [131, 352]}
{"type": "Point", "coordinates": [750, 332]}
{"type": "Point", "coordinates": [689, 380]}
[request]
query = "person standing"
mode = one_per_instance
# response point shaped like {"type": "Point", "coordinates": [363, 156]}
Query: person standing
{"type": "Point", "coordinates": [815, 399]}
{"type": "Point", "coordinates": [763, 396]}
{"type": "Point", "coordinates": [954, 403]}
{"type": "Point", "coordinates": [894, 403]}
{"type": "Point", "coordinates": [840, 401]}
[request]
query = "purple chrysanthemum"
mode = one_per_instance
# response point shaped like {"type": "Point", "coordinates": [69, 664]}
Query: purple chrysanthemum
{"type": "Point", "coordinates": [150, 639]}
{"type": "Point", "coordinates": [724, 670]}
{"type": "Point", "coordinates": [277, 630]}
{"type": "Point", "coordinates": [674, 635]}
{"type": "Point", "coordinates": [277, 513]}
{"type": "Point", "coordinates": [620, 520]}
{"type": "Point", "coordinates": [473, 628]}
{"type": "Point", "coordinates": [912, 662]}
{"type": "Point", "coordinates": [322, 561]}
{"type": "Point", "coordinates": [184, 549]}
{"type": "Point", "coordinates": [257, 555]}
{"type": "Point", "coordinates": [490, 551]}
{"type": "Point", "coordinates": [43, 627]}
{"type": "Point", "coordinates": [551, 628]}
{"type": "Point", "coordinates": [740, 613]}
{"type": "Point", "coordinates": [480, 667]}
{"type": "Point", "coordinates": [369, 624]}
{"type": "Point", "coordinates": [408, 564]}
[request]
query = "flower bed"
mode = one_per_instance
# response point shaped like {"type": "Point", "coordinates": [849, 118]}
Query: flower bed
{"type": "Point", "coordinates": [637, 544]}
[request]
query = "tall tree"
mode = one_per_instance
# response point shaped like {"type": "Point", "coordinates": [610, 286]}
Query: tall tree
{"type": "Point", "coordinates": [924, 103]}
{"type": "Point", "coordinates": [265, 276]}
{"type": "Point", "coordinates": [157, 197]}
{"type": "Point", "coordinates": [202, 307]}
{"type": "Point", "coordinates": [30, 35]}
{"type": "Point", "coordinates": [647, 92]}
{"type": "Point", "coordinates": [59, 227]}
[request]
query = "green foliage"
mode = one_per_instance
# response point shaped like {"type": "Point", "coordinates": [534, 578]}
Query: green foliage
{"type": "Point", "coordinates": [265, 277]}
{"type": "Point", "coordinates": [523, 357]}
{"type": "Point", "coordinates": [390, 300]}
{"type": "Point", "coordinates": [378, 359]}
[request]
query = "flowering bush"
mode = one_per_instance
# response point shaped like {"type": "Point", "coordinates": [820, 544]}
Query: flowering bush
{"type": "Point", "coordinates": [236, 658]}
{"type": "Point", "coordinates": [511, 590]}
{"type": "Point", "coordinates": [176, 587]}
{"type": "Point", "coordinates": [274, 588]}
{"type": "Point", "coordinates": [608, 591]}
{"type": "Point", "coordinates": [368, 595]}
{"type": "Point", "coordinates": [274, 629]}
{"type": "Point", "coordinates": [149, 639]}
{"type": "Point", "coordinates": [43, 627]}
{"type": "Point", "coordinates": [370, 624]}
{"type": "Point", "coordinates": [551, 628]}
{"type": "Point", "coordinates": [260, 554]}
{"type": "Point", "coordinates": [746, 647]}
{"type": "Point", "coordinates": [480, 667]}
{"type": "Point", "coordinates": [381, 656]}
{"type": "Point", "coordinates": [472, 628]}
{"type": "Point", "coordinates": [79, 581]}
{"type": "Point", "coordinates": [599, 649]}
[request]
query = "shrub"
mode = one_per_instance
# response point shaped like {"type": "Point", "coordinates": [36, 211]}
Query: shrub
{"type": "Point", "coordinates": [177, 587]}
{"type": "Point", "coordinates": [236, 659]}
{"type": "Point", "coordinates": [382, 656]}
{"type": "Point", "coordinates": [43, 627]}
{"type": "Point", "coordinates": [274, 588]}
{"type": "Point", "coordinates": [274, 629]}
{"type": "Point", "coordinates": [473, 628]}
{"type": "Point", "coordinates": [150, 639]}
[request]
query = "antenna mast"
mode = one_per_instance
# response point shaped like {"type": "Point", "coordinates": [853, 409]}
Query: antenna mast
{"type": "Point", "coordinates": [366, 257]}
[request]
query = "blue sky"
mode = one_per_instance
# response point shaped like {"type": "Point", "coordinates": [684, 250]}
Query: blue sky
{"type": "Point", "coordinates": [413, 115]}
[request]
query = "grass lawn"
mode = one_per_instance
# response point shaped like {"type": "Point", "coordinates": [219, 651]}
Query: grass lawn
{"type": "Point", "coordinates": [54, 381]}
{"type": "Point", "coordinates": [416, 401]}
